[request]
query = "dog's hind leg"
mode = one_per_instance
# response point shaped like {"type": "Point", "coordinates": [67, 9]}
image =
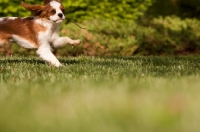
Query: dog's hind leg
{"type": "Point", "coordinates": [4, 38]}
{"type": "Point", "coordinates": [3, 41]}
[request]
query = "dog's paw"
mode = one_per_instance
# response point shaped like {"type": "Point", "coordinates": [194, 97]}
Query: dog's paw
{"type": "Point", "coordinates": [76, 42]}
{"type": "Point", "coordinates": [57, 64]}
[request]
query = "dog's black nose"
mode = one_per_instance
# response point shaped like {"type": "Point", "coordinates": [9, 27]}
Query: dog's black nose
{"type": "Point", "coordinates": [60, 15]}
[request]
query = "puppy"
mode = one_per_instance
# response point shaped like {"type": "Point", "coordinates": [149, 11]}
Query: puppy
{"type": "Point", "coordinates": [39, 31]}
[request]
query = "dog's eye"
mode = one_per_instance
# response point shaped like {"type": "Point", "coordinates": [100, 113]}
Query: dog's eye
{"type": "Point", "coordinates": [63, 10]}
{"type": "Point", "coordinates": [53, 11]}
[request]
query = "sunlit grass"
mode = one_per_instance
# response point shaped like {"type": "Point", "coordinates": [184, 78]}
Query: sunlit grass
{"type": "Point", "coordinates": [92, 94]}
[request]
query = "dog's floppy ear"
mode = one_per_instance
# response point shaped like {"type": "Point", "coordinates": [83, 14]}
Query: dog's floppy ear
{"type": "Point", "coordinates": [47, 1]}
{"type": "Point", "coordinates": [35, 9]}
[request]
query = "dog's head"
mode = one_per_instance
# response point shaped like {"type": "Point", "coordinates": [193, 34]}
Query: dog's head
{"type": "Point", "coordinates": [52, 10]}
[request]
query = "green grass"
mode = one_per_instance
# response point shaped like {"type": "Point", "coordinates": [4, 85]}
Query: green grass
{"type": "Point", "coordinates": [93, 94]}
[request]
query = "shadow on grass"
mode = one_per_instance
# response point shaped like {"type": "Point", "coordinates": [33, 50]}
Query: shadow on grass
{"type": "Point", "coordinates": [70, 61]}
{"type": "Point", "coordinates": [21, 60]}
{"type": "Point", "coordinates": [36, 61]}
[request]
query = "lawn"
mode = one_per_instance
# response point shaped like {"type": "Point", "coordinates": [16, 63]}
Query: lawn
{"type": "Point", "coordinates": [100, 94]}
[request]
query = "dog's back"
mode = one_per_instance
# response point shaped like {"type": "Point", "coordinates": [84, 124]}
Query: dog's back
{"type": "Point", "coordinates": [20, 30]}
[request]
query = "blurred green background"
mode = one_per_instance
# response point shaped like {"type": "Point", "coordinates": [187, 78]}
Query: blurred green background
{"type": "Point", "coordinates": [122, 27]}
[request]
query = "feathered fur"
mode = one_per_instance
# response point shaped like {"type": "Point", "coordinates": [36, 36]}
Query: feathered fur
{"type": "Point", "coordinates": [39, 31]}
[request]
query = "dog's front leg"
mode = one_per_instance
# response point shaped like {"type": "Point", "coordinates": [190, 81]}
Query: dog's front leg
{"type": "Point", "coordinates": [44, 51]}
{"type": "Point", "coordinates": [62, 41]}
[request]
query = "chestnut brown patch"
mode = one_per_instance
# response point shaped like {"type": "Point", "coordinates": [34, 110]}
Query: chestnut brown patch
{"type": "Point", "coordinates": [25, 28]}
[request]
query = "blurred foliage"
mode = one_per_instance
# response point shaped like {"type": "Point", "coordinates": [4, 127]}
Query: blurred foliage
{"type": "Point", "coordinates": [118, 9]}
{"type": "Point", "coordinates": [80, 10]}
{"type": "Point", "coordinates": [13, 8]}
{"type": "Point", "coordinates": [160, 36]}
{"type": "Point", "coordinates": [83, 9]}
{"type": "Point", "coordinates": [171, 36]}
{"type": "Point", "coordinates": [181, 8]}
{"type": "Point", "coordinates": [113, 28]}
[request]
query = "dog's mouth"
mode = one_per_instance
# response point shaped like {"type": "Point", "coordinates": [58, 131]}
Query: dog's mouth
{"type": "Point", "coordinates": [59, 20]}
